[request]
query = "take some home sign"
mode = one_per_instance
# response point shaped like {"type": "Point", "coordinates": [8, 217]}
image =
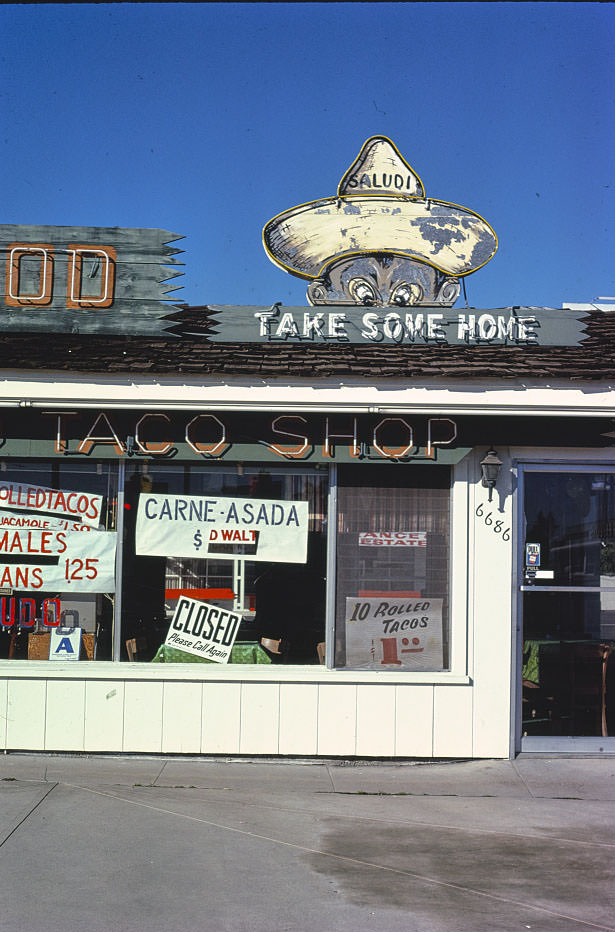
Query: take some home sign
{"type": "Point", "coordinates": [436, 326]}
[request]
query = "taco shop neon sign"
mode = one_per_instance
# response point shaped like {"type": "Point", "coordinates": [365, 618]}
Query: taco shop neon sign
{"type": "Point", "coordinates": [289, 436]}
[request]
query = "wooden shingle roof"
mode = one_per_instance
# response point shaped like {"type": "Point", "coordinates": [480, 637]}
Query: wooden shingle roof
{"type": "Point", "coordinates": [192, 354]}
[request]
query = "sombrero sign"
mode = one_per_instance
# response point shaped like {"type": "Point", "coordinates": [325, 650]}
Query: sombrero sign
{"type": "Point", "coordinates": [383, 262]}
{"type": "Point", "coordinates": [380, 240]}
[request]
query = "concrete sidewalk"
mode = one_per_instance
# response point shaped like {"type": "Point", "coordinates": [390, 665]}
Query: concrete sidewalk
{"type": "Point", "coordinates": [127, 844]}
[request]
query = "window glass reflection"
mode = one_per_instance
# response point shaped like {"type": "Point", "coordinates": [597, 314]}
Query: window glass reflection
{"type": "Point", "coordinates": [572, 517]}
{"type": "Point", "coordinates": [568, 670]}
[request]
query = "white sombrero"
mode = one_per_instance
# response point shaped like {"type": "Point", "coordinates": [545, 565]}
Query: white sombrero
{"type": "Point", "coordinates": [380, 208]}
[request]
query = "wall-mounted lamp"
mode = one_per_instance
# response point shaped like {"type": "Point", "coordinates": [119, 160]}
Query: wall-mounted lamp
{"type": "Point", "coordinates": [490, 467]}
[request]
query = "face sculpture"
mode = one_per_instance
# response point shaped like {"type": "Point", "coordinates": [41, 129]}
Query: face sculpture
{"type": "Point", "coordinates": [382, 281]}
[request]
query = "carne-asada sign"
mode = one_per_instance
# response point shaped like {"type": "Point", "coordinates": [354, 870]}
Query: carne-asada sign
{"type": "Point", "coordinates": [225, 528]}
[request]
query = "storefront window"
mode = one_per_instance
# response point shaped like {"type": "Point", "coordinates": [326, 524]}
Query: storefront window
{"type": "Point", "coordinates": [223, 562]}
{"type": "Point", "coordinates": [57, 560]}
{"type": "Point", "coordinates": [393, 568]}
{"type": "Point", "coordinates": [246, 543]}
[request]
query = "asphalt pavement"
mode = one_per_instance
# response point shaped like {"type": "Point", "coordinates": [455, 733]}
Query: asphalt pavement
{"type": "Point", "coordinates": [145, 844]}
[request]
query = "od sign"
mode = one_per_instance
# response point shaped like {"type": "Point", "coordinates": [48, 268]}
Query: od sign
{"type": "Point", "coordinates": [22, 612]}
{"type": "Point", "coordinates": [30, 280]}
{"type": "Point", "coordinates": [85, 279]}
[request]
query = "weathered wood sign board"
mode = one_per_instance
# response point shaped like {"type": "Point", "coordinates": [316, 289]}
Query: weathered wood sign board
{"type": "Point", "coordinates": [418, 326]}
{"type": "Point", "coordinates": [99, 280]}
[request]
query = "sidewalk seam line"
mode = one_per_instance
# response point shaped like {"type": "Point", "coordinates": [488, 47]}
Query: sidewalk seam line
{"type": "Point", "coordinates": [159, 774]}
{"type": "Point", "coordinates": [522, 778]}
{"type": "Point", "coordinates": [27, 815]}
{"type": "Point", "coordinates": [360, 818]}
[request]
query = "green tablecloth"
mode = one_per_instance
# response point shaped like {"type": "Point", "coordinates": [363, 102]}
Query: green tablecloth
{"type": "Point", "coordinates": [241, 652]}
{"type": "Point", "coordinates": [531, 658]}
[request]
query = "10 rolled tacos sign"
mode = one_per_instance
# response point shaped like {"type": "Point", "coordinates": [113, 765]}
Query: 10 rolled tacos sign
{"type": "Point", "coordinates": [383, 262]}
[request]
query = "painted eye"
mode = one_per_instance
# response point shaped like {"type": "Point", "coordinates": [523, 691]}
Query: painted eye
{"type": "Point", "coordinates": [362, 291]}
{"type": "Point", "coordinates": [406, 295]}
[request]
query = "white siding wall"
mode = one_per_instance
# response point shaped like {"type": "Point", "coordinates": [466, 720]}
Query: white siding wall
{"type": "Point", "coordinates": [251, 718]}
{"type": "Point", "coordinates": [104, 715]}
{"type": "Point", "coordinates": [491, 588]}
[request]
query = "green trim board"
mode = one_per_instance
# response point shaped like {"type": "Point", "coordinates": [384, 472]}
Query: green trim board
{"type": "Point", "coordinates": [292, 437]}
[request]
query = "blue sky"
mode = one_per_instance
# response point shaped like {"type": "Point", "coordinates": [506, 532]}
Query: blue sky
{"type": "Point", "coordinates": [209, 119]}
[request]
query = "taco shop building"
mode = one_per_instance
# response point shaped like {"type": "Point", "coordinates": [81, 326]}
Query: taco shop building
{"type": "Point", "coordinates": [331, 656]}
{"type": "Point", "coordinates": [370, 527]}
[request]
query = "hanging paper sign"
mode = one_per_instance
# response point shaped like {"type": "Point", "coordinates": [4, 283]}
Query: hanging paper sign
{"type": "Point", "coordinates": [65, 644]}
{"type": "Point", "coordinates": [202, 629]}
{"type": "Point", "coordinates": [58, 561]}
{"type": "Point", "coordinates": [393, 539]}
{"type": "Point", "coordinates": [394, 633]}
{"type": "Point", "coordinates": [9, 519]}
{"type": "Point", "coordinates": [78, 506]}
{"type": "Point", "coordinates": [224, 528]}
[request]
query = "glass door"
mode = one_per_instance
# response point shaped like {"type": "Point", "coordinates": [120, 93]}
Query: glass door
{"type": "Point", "coordinates": [568, 607]}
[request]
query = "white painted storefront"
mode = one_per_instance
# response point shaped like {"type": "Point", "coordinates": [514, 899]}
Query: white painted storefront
{"type": "Point", "coordinates": [469, 710]}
